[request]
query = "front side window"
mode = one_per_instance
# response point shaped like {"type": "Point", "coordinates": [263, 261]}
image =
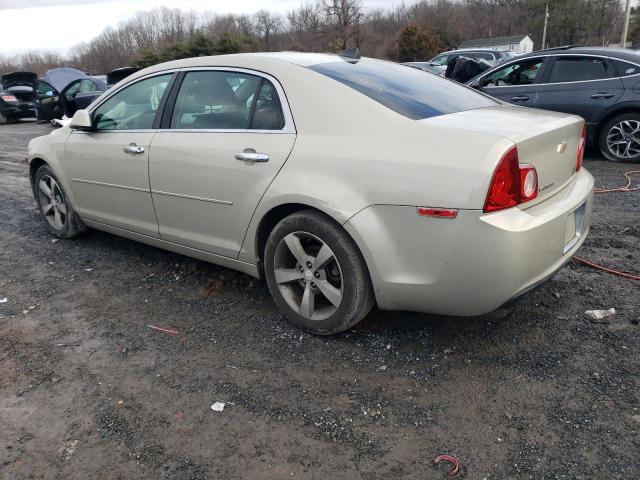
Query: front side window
{"type": "Point", "coordinates": [520, 73]}
{"type": "Point", "coordinates": [221, 100]}
{"type": "Point", "coordinates": [134, 107]}
{"type": "Point", "coordinates": [88, 86]}
{"type": "Point", "coordinates": [43, 89]}
{"type": "Point", "coordinates": [441, 60]}
{"type": "Point", "coordinates": [406, 91]}
{"type": "Point", "coordinates": [577, 69]}
{"type": "Point", "coordinates": [72, 91]}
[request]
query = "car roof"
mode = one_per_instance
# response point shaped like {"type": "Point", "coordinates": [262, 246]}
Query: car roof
{"type": "Point", "coordinates": [487, 50]}
{"type": "Point", "coordinates": [621, 53]}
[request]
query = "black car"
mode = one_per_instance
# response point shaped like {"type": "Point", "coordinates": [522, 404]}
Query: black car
{"type": "Point", "coordinates": [16, 96]}
{"type": "Point", "coordinates": [119, 74]}
{"type": "Point", "coordinates": [602, 85]}
{"type": "Point", "coordinates": [62, 91]}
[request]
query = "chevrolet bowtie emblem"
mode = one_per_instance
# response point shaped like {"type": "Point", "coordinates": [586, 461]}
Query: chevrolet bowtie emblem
{"type": "Point", "coordinates": [562, 146]}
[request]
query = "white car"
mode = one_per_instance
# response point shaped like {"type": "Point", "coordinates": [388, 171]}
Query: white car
{"type": "Point", "coordinates": [344, 181]}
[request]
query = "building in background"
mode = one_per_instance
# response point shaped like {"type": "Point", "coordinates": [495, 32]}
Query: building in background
{"type": "Point", "coordinates": [517, 43]}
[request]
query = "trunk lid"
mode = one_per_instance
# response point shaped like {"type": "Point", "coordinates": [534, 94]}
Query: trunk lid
{"type": "Point", "coordinates": [547, 140]}
{"type": "Point", "coordinates": [18, 79]}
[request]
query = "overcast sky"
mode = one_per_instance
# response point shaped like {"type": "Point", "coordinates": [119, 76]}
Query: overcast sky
{"type": "Point", "coordinates": [59, 24]}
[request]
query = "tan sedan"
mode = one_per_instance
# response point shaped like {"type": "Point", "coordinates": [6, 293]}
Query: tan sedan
{"type": "Point", "coordinates": [344, 181]}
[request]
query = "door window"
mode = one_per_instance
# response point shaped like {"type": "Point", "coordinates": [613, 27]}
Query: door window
{"type": "Point", "coordinates": [134, 107]}
{"type": "Point", "coordinates": [575, 69]}
{"type": "Point", "coordinates": [88, 86]}
{"type": "Point", "coordinates": [43, 89]}
{"type": "Point", "coordinates": [72, 91]}
{"type": "Point", "coordinates": [227, 101]}
{"type": "Point", "coordinates": [519, 73]}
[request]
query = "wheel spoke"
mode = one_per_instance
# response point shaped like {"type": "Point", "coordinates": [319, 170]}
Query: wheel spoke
{"type": "Point", "coordinates": [62, 208]}
{"type": "Point", "coordinates": [57, 218]}
{"type": "Point", "coordinates": [333, 294]}
{"type": "Point", "coordinates": [46, 209]}
{"type": "Point", "coordinates": [307, 306]}
{"type": "Point", "coordinates": [287, 275]}
{"type": "Point", "coordinates": [295, 247]}
{"type": "Point", "coordinates": [45, 189]}
{"type": "Point", "coordinates": [324, 256]}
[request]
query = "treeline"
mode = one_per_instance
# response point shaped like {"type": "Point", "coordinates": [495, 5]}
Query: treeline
{"type": "Point", "coordinates": [415, 31]}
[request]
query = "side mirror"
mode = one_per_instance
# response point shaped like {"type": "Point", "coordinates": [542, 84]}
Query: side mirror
{"type": "Point", "coordinates": [81, 120]}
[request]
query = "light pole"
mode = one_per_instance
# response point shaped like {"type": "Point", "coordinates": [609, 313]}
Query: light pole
{"type": "Point", "coordinates": [544, 30]}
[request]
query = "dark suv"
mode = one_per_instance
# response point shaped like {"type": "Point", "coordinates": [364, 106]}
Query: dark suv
{"type": "Point", "coordinates": [602, 85]}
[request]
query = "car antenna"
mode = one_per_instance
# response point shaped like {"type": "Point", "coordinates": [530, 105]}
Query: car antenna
{"type": "Point", "coordinates": [351, 53]}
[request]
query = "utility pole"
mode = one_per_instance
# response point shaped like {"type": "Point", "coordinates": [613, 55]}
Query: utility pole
{"type": "Point", "coordinates": [625, 28]}
{"type": "Point", "coordinates": [544, 31]}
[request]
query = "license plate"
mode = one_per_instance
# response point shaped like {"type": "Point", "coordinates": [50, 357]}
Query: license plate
{"type": "Point", "coordinates": [574, 227]}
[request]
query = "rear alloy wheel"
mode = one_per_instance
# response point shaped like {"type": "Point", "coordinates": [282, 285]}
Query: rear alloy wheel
{"type": "Point", "coordinates": [316, 274]}
{"type": "Point", "coordinates": [54, 207]}
{"type": "Point", "coordinates": [620, 138]}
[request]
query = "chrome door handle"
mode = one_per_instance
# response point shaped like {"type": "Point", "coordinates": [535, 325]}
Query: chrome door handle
{"type": "Point", "coordinates": [520, 98]}
{"type": "Point", "coordinates": [133, 148]}
{"type": "Point", "coordinates": [602, 95]}
{"type": "Point", "coordinates": [251, 155]}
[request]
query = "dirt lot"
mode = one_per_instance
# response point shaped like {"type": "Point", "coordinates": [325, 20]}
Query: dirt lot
{"type": "Point", "coordinates": [89, 391]}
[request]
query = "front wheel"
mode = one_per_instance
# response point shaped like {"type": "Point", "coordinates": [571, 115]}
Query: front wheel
{"type": "Point", "coordinates": [316, 274]}
{"type": "Point", "coordinates": [56, 211]}
{"type": "Point", "coordinates": [620, 138]}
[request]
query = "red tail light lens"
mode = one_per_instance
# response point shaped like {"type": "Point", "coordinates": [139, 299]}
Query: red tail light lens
{"type": "Point", "coordinates": [512, 183]}
{"type": "Point", "coordinates": [581, 146]}
{"type": "Point", "coordinates": [9, 98]}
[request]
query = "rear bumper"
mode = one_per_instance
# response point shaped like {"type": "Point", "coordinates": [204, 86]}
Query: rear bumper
{"type": "Point", "coordinates": [18, 111]}
{"type": "Point", "coordinates": [475, 263]}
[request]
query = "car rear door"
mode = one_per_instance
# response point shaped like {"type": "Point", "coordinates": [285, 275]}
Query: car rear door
{"type": "Point", "coordinates": [224, 137]}
{"type": "Point", "coordinates": [109, 166]}
{"type": "Point", "coordinates": [515, 82]}
{"type": "Point", "coordinates": [584, 85]}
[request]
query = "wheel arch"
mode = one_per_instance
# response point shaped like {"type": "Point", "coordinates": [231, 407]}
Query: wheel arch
{"type": "Point", "coordinates": [34, 165]}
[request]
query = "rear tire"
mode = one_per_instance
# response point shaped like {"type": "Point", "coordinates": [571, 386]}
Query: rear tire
{"type": "Point", "coordinates": [619, 139]}
{"type": "Point", "coordinates": [54, 207]}
{"type": "Point", "coordinates": [316, 274]}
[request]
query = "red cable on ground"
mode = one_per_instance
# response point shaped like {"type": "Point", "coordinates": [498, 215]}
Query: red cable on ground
{"type": "Point", "coordinates": [626, 188]}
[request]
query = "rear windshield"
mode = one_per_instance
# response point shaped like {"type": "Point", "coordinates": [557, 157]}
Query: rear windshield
{"type": "Point", "coordinates": [407, 91]}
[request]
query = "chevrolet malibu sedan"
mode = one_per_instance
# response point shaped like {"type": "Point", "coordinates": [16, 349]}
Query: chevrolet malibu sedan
{"type": "Point", "coordinates": [344, 181]}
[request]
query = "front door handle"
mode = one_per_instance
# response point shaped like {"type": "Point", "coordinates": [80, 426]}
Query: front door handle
{"type": "Point", "coordinates": [250, 155]}
{"type": "Point", "coordinates": [602, 95]}
{"type": "Point", "coordinates": [521, 98]}
{"type": "Point", "coordinates": [133, 148]}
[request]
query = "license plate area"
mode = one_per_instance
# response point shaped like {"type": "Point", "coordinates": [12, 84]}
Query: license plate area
{"type": "Point", "coordinates": [574, 227]}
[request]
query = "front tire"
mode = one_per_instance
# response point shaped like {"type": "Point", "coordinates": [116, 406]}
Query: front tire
{"type": "Point", "coordinates": [316, 274]}
{"type": "Point", "coordinates": [55, 209]}
{"type": "Point", "coordinates": [619, 139]}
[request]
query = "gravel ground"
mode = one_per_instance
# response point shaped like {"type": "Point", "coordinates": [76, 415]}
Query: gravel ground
{"type": "Point", "coordinates": [88, 390]}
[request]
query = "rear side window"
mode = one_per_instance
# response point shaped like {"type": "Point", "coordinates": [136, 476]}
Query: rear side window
{"type": "Point", "coordinates": [221, 100]}
{"type": "Point", "coordinates": [575, 69]}
{"type": "Point", "coordinates": [624, 69]}
{"type": "Point", "coordinates": [406, 91]}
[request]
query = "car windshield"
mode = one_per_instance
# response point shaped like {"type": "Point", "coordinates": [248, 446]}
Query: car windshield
{"type": "Point", "coordinates": [406, 91]}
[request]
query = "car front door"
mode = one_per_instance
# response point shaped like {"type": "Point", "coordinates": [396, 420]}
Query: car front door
{"type": "Point", "coordinates": [515, 82]}
{"type": "Point", "coordinates": [109, 166]}
{"type": "Point", "coordinates": [46, 99]}
{"type": "Point", "coordinates": [229, 134]}
{"type": "Point", "coordinates": [584, 85]}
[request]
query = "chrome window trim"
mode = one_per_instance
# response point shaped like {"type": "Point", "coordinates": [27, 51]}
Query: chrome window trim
{"type": "Point", "coordinates": [517, 60]}
{"type": "Point", "coordinates": [289, 124]}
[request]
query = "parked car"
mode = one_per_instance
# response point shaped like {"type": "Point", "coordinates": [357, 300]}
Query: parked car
{"type": "Point", "coordinates": [62, 91]}
{"type": "Point", "coordinates": [119, 74]}
{"type": "Point", "coordinates": [492, 55]}
{"type": "Point", "coordinates": [383, 186]}
{"type": "Point", "coordinates": [599, 84]}
{"type": "Point", "coordinates": [16, 96]}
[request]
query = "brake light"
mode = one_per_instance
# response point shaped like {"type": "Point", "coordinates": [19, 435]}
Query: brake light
{"type": "Point", "coordinates": [581, 145]}
{"type": "Point", "coordinates": [8, 98]}
{"type": "Point", "coordinates": [512, 183]}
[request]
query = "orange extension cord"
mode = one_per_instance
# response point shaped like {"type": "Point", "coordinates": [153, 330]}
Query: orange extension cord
{"type": "Point", "coordinates": [626, 188]}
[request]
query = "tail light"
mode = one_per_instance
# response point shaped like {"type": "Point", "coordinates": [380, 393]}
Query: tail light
{"type": "Point", "coordinates": [581, 145]}
{"type": "Point", "coordinates": [9, 98]}
{"type": "Point", "coordinates": [512, 183]}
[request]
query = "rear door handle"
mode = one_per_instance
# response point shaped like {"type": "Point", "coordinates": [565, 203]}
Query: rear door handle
{"type": "Point", "coordinates": [250, 155]}
{"type": "Point", "coordinates": [133, 148]}
{"type": "Point", "coordinates": [521, 98]}
{"type": "Point", "coordinates": [602, 95]}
